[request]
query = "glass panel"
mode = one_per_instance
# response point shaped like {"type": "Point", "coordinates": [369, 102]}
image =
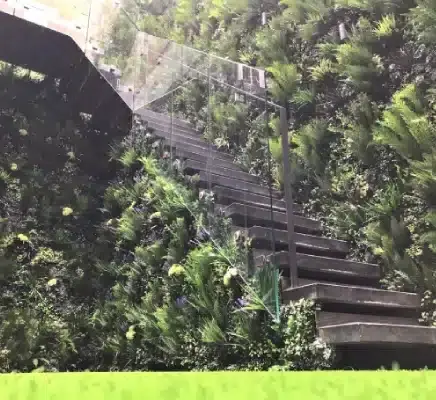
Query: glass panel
{"type": "Point", "coordinates": [116, 47]}
{"type": "Point", "coordinates": [70, 18]}
{"type": "Point", "coordinates": [220, 135]}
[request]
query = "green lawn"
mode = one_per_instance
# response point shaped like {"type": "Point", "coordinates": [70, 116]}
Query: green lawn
{"type": "Point", "coordinates": [379, 385]}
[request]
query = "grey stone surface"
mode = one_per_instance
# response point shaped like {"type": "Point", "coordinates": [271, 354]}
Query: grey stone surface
{"type": "Point", "coordinates": [373, 333]}
{"type": "Point", "coordinates": [161, 118]}
{"type": "Point", "coordinates": [194, 166]}
{"type": "Point", "coordinates": [211, 154]}
{"type": "Point", "coordinates": [218, 180]}
{"type": "Point", "coordinates": [248, 215]}
{"type": "Point", "coordinates": [227, 196]}
{"type": "Point", "coordinates": [308, 244]}
{"type": "Point", "coordinates": [321, 267]}
{"type": "Point", "coordinates": [180, 138]}
{"type": "Point", "coordinates": [324, 318]}
{"type": "Point", "coordinates": [185, 154]}
{"type": "Point", "coordinates": [354, 295]}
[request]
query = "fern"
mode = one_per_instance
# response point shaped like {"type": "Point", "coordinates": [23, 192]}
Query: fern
{"type": "Point", "coordinates": [386, 26]}
{"type": "Point", "coordinates": [423, 20]}
{"type": "Point", "coordinates": [321, 71]}
{"type": "Point", "coordinates": [311, 140]}
{"type": "Point", "coordinates": [286, 80]}
{"type": "Point", "coordinates": [405, 127]}
{"type": "Point", "coordinates": [357, 64]}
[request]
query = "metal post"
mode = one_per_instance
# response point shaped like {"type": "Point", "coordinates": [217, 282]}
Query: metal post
{"type": "Point", "coordinates": [172, 123]}
{"type": "Point", "coordinates": [292, 251]}
{"type": "Point", "coordinates": [88, 27]}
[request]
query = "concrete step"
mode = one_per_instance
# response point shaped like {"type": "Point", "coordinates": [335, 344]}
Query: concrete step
{"type": "Point", "coordinates": [331, 318]}
{"type": "Point", "coordinates": [194, 167]}
{"type": "Point", "coordinates": [212, 179]}
{"type": "Point", "coordinates": [211, 154]}
{"type": "Point", "coordinates": [227, 196]}
{"type": "Point", "coordinates": [148, 114]}
{"type": "Point", "coordinates": [167, 126]}
{"type": "Point", "coordinates": [364, 333]}
{"type": "Point", "coordinates": [324, 268]}
{"type": "Point", "coordinates": [176, 138]}
{"type": "Point", "coordinates": [248, 215]}
{"type": "Point", "coordinates": [308, 244]}
{"type": "Point", "coordinates": [189, 155]}
{"type": "Point", "coordinates": [361, 298]}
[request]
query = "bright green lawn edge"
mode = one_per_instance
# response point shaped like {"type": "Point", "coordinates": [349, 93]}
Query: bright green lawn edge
{"type": "Point", "coordinates": [376, 385]}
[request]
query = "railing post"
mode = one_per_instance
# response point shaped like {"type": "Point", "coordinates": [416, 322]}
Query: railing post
{"type": "Point", "coordinates": [292, 251]}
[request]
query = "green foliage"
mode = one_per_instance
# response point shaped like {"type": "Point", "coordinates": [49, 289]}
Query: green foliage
{"type": "Point", "coordinates": [423, 18]}
{"type": "Point", "coordinates": [286, 80]}
{"type": "Point", "coordinates": [126, 271]}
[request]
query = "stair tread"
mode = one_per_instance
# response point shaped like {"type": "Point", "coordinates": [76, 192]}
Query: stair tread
{"type": "Point", "coordinates": [309, 242]}
{"type": "Point", "coordinates": [147, 113]}
{"type": "Point", "coordinates": [186, 154]}
{"type": "Point", "coordinates": [212, 154]}
{"type": "Point", "coordinates": [327, 264]}
{"type": "Point", "coordinates": [357, 295]}
{"type": "Point", "coordinates": [177, 137]}
{"type": "Point", "coordinates": [378, 333]}
{"type": "Point", "coordinates": [219, 180]}
{"type": "Point", "coordinates": [326, 268]}
{"type": "Point", "coordinates": [227, 196]}
{"type": "Point", "coordinates": [325, 318]}
{"type": "Point", "coordinates": [168, 126]}
{"type": "Point", "coordinates": [197, 166]}
{"type": "Point", "coordinates": [255, 215]}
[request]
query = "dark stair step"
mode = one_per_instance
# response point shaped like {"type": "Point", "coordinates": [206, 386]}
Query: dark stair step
{"type": "Point", "coordinates": [262, 238]}
{"type": "Point", "coordinates": [325, 268]}
{"type": "Point", "coordinates": [357, 298]}
{"type": "Point", "coordinates": [189, 155]}
{"type": "Point", "coordinates": [365, 333]}
{"type": "Point", "coordinates": [324, 318]}
{"type": "Point", "coordinates": [248, 215]}
{"type": "Point", "coordinates": [176, 137]}
{"type": "Point", "coordinates": [168, 130]}
{"type": "Point", "coordinates": [173, 126]}
{"type": "Point", "coordinates": [211, 154]}
{"type": "Point", "coordinates": [227, 196]}
{"type": "Point", "coordinates": [194, 167]}
{"type": "Point", "coordinates": [213, 180]}
{"type": "Point", "coordinates": [163, 118]}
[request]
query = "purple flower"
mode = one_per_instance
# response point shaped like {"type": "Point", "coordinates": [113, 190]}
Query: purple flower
{"type": "Point", "coordinates": [181, 301]}
{"type": "Point", "coordinates": [241, 302]}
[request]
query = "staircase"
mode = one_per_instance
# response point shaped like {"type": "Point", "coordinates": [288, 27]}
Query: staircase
{"type": "Point", "coordinates": [368, 327]}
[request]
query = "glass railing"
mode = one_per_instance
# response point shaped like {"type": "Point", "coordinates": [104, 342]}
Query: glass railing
{"type": "Point", "coordinates": [141, 67]}
{"type": "Point", "coordinates": [212, 116]}
{"type": "Point", "coordinates": [70, 18]}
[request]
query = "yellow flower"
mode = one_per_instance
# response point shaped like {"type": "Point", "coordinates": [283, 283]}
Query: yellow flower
{"type": "Point", "coordinates": [14, 167]}
{"type": "Point", "coordinates": [130, 334]}
{"type": "Point", "coordinates": [52, 282]}
{"type": "Point", "coordinates": [67, 211]}
{"type": "Point", "coordinates": [176, 270]}
{"type": "Point", "coordinates": [71, 155]}
{"type": "Point", "coordinates": [227, 279]}
{"type": "Point", "coordinates": [23, 132]}
{"type": "Point", "coordinates": [22, 237]}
